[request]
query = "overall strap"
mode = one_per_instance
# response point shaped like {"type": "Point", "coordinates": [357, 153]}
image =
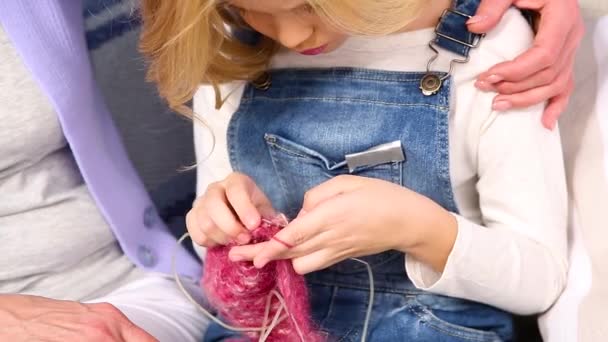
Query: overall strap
{"type": "Point", "coordinates": [451, 34]}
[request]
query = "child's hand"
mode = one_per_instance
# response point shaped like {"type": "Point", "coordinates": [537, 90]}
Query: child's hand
{"type": "Point", "coordinates": [350, 216]}
{"type": "Point", "coordinates": [227, 210]}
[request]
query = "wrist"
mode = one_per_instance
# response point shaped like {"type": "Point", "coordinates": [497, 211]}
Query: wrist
{"type": "Point", "coordinates": [433, 236]}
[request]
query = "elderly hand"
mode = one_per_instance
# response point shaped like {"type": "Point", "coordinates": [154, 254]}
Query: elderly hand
{"type": "Point", "coordinates": [31, 318]}
{"type": "Point", "coordinates": [545, 71]}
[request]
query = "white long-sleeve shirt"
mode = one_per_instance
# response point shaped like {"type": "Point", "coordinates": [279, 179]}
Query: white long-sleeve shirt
{"type": "Point", "coordinates": [506, 170]}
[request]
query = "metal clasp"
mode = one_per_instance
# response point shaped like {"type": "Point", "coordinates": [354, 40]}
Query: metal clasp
{"type": "Point", "coordinates": [263, 82]}
{"type": "Point", "coordinates": [449, 10]}
{"type": "Point", "coordinates": [432, 82]}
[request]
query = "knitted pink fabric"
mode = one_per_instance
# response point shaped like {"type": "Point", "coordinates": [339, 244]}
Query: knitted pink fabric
{"type": "Point", "coordinates": [240, 292]}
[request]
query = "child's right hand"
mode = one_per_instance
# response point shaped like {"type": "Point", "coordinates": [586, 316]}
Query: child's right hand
{"type": "Point", "coordinates": [227, 211]}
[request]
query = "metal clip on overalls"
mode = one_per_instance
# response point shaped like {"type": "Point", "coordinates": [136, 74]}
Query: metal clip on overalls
{"type": "Point", "coordinates": [451, 33]}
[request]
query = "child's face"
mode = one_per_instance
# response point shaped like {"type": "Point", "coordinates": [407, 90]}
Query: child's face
{"type": "Point", "coordinates": [292, 23]}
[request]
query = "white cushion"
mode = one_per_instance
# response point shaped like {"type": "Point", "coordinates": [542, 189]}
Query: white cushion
{"type": "Point", "coordinates": [580, 311]}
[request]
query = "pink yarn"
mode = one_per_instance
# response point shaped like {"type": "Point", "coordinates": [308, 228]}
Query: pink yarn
{"type": "Point", "coordinates": [240, 292]}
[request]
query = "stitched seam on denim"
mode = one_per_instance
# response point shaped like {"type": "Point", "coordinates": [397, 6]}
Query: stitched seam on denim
{"type": "Point", "coordinates": [355, 324]}
{"type": "Point", "coordinates": [295, 153]}
{"type": "Point", "coordinates": [345, 99]}
{"type": "Point", "coordinates": [349, 73]}
{"type": "Point", "coordinates": [445, 156]}
{"type": "Point", "coordinates": [330, 309]}
{"type": "Point", "coordinates": [396, 172]}
{"type": "Point", "coordinates": [233, 126]}
{"type": "Point", "coordinates": [360, 268]}
{"type": "Point", "coordinates": [458, 330]}
{"type": "Point", "coordinates": [378, 288]}
{"type": "Point", "coordinates": [290, 151]}
{"type": "Point", "coordinates": [380, 78]}
{"type": "Point", "coordinates": [343, 338]}
{"type": "Point", "coordinates": [346, 77]}
{"type": "Point", "coordinates": [282, 182]}
{"type": "Point", "coordinates": [401, 167]}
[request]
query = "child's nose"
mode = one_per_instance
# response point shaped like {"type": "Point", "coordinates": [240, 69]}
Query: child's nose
{"type": "Point", "coordinates": [291, 32]}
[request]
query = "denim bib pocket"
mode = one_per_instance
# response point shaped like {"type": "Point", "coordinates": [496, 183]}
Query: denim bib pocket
{"type": "Point", "coordinates": [298, 168]}
{"type": "Point", "coordinates": [459, 319]}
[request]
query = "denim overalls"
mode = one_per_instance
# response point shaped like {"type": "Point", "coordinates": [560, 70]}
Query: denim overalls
{"type": "Point", "coordinates": [295, 135]}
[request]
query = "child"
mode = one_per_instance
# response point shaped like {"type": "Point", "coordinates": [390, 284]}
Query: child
{"type": "Point", "coordinates": [377, 145]}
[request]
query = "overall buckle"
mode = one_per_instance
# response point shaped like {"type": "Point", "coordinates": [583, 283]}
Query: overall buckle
{"type": "Point", "coordinates": [432, 81]}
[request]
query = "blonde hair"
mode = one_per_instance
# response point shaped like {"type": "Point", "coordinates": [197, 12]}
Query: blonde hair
{"type": "Point", "coordinates": [193, 42]}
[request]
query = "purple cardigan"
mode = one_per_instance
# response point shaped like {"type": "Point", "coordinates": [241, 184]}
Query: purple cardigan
{"type": "Point", "coordinates": [49, 35]}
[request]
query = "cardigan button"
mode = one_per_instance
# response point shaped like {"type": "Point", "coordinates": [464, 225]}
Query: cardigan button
{"type": "Point", "coordinates": [150, 217]}
{"type": "Point", "coordinates": [146, 256]}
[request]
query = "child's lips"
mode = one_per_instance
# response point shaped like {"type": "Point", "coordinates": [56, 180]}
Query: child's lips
{"type": "Point", "coordinates": [315, 51]}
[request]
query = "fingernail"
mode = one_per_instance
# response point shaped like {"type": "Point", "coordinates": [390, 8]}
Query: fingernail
{"type": "Point", "coordinates": [476, 19]}
{"type": "Point", "coordinates": [260, 263]}
{"type": "Point", "coordinates": [552, 125]}
{"type": "Point", "coordinates": [483, 85]}
{"type": "Point", "coordinates": [236, 257]}
{"type": "Point", "coordinates": [252, 223]}
{"type": "Point", "coordinates": [501, 105]}
{"type": "Point", "coordinates": [547, 124]}
{"type": "Point", "coordinates": [494, 79]}
{"type": "Point", "coordinates": [243, 238]}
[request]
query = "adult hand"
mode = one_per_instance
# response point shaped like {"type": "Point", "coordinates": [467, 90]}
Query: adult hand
{"type": "Point", "coordinates": [545, 72]}
{"type": "Point", "coordinates": [351, 216]}
{"type": "Point", "coordinates": [227, 211]}
{"type": "Point", "coordinates": [31, 318]}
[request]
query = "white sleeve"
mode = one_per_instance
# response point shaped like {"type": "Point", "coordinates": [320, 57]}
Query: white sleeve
{"type": "Point", "coordinates": [517, 259]}
{"type": "Point", "coordinates": [210, 126]}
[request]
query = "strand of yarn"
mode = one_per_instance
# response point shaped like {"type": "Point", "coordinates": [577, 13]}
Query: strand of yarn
{"type": "Point", "coordinates": [206, 312]}
{"type": "Point", "coordinates": [265, 330]}
{"type": "Point", "coordinates": [239, 290]}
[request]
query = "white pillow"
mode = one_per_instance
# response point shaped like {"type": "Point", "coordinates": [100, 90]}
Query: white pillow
{"type": "Point", "coordinates": [580, 313]}
{"type": "Point", "coordinates": [597, 7]}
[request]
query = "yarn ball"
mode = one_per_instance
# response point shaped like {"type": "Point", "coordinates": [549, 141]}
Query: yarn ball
{"type": "Point", "coordinates": [240, 291]}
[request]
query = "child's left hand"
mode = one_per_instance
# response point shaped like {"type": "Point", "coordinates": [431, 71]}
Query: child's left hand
{"type": "Point", "coordinates": [351, 216]}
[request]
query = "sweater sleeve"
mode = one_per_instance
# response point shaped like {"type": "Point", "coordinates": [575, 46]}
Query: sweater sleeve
{"type": "Point", "coordinates": [516, 259]}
